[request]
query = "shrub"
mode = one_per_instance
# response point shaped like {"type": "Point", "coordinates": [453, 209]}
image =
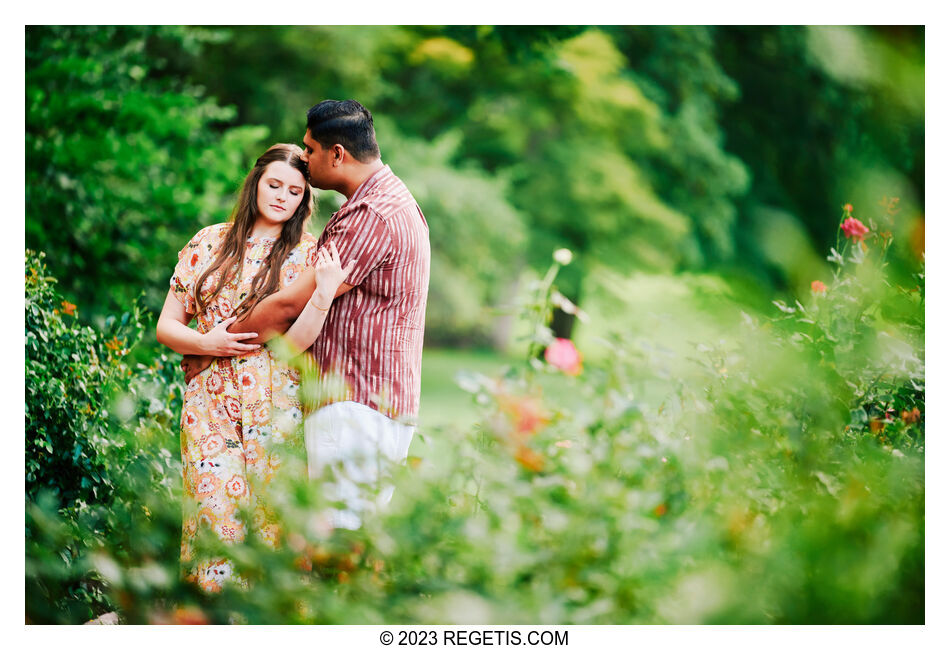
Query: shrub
{"type": "Point", "coordinates": [85, 471]}
{"type": "Point", "coordinates": [69, 371]}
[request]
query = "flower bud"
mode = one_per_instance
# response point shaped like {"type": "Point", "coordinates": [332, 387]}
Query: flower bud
{"type": "Point", "coordinates": [563, 256]}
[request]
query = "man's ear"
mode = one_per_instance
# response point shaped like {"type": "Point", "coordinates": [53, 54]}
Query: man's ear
{"type": "Point", "coordinates": [339, 154]}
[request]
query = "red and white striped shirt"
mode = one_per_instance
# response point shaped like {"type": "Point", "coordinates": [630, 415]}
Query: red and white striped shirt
{"type": "Point", "coordinates": [372, 337]}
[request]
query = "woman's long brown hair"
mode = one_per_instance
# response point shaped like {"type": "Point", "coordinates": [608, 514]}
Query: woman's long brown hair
{"type": "Point", "coordinates": [231, 254]}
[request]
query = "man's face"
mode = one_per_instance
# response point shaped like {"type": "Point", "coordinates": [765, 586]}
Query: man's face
{"type": "Point", "coordinates": [319, 162]}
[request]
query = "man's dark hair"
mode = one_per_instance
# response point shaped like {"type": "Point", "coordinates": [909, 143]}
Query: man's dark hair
{"type": "Point", "coordinates": [347, 123]}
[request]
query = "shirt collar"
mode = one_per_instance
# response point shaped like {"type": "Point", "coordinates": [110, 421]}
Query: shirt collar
{"type": "Point", "coordinates": [367, 186]}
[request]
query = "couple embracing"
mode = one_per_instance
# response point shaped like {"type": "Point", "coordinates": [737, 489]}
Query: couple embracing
{"type": "Point", "coordinates": [354, 299]}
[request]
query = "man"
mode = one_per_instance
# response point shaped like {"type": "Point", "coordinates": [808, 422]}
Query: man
{"type": "Point", "coordinates": [372, 337]}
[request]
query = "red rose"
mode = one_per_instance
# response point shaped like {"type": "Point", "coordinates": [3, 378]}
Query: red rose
{"type": "Point", "coordinates": [854, 229]}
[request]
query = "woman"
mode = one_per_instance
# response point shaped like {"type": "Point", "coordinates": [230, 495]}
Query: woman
{"type": "Point", "coordinates": [237, 410]}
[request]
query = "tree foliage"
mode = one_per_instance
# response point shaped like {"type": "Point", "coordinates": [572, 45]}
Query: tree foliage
{"type": "Point", "coordinates": [663, 148]}
{"type": "Point", "coordinates": [121, 163]}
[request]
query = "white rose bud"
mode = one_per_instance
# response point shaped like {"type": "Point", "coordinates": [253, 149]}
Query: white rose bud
{"type": "Point", "coordinates": [563, 256]}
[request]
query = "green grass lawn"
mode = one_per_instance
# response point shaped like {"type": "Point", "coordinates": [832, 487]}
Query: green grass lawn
{"type": "Point", "coordinates": [442, 402]}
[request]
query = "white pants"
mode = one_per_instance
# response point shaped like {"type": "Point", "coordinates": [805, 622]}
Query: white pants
{"type": "Point", "coordinates": [359, 444]}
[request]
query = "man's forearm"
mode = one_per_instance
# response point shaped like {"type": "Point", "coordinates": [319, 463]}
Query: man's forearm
{"type": "Point", "coordinates": [277, 312]}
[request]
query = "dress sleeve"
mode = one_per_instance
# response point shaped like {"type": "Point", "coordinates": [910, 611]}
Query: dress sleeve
{"type": "Point", "coordinates": [360, 236]}
{"type": "Point", "coordinates": [302, 257]}
{"type": "Point", "coordinates": [189, 266]}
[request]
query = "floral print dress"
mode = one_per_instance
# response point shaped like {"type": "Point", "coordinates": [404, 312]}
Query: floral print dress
{"type": "Point", "coordinates": [236, 412]}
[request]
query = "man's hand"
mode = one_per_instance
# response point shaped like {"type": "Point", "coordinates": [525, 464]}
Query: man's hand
{"type": "Point", "coordinates": [193, 364]}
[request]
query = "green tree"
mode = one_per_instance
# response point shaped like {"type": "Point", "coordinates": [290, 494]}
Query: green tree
{"type": "Point", "coordinates": [828, 115]}
{"type": "Point", "coordinates": [123, 164]}
{"type": "Point", "coordinates": [678, 69]}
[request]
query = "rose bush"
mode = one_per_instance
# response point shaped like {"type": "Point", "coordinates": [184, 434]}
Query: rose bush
{"type": "Point", "coordinates": [100, 446]}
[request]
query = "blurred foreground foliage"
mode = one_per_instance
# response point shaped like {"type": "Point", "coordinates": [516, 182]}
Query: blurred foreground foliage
{"type": "Point", "coordinates": [778, 479]}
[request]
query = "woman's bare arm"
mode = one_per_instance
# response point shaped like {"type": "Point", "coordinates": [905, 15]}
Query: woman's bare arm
{"type": "Point", "coordinates": [277, 312]}
{"type": "Point", "coordinates": [274, 315]}
{"type": "Point", "coordinates": [271, 316]}
{"type": "Point", "coordinates": [172, 330]}
{"type": "Point", "coordinates": [329, 274]}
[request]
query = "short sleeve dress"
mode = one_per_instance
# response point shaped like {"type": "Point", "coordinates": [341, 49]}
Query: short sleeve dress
{"type": "Point", "coordinates": [236, 412]}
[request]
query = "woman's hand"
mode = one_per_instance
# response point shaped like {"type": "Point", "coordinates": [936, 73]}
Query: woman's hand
{"type": "Point", "coordinates": [219, 342]}
{"type": "Point", "coordinates": [330, 275]}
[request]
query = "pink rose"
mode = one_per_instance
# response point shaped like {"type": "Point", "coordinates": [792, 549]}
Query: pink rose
{"type": "Point", "coordinates": [564, 356]}
{"type": "Point", "coordinates": [854, 229]}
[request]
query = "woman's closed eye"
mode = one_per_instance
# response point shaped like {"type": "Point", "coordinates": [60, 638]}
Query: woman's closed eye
{"type": "Point", "coordinates": [293, 190]}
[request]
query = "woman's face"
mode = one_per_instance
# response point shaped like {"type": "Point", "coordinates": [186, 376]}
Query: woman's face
{"type": "Point", "coordinates": [279, 192]}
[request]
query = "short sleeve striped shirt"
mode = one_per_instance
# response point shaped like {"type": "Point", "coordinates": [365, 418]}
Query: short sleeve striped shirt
{"type": "Point", "coordinates": [372, 337]}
